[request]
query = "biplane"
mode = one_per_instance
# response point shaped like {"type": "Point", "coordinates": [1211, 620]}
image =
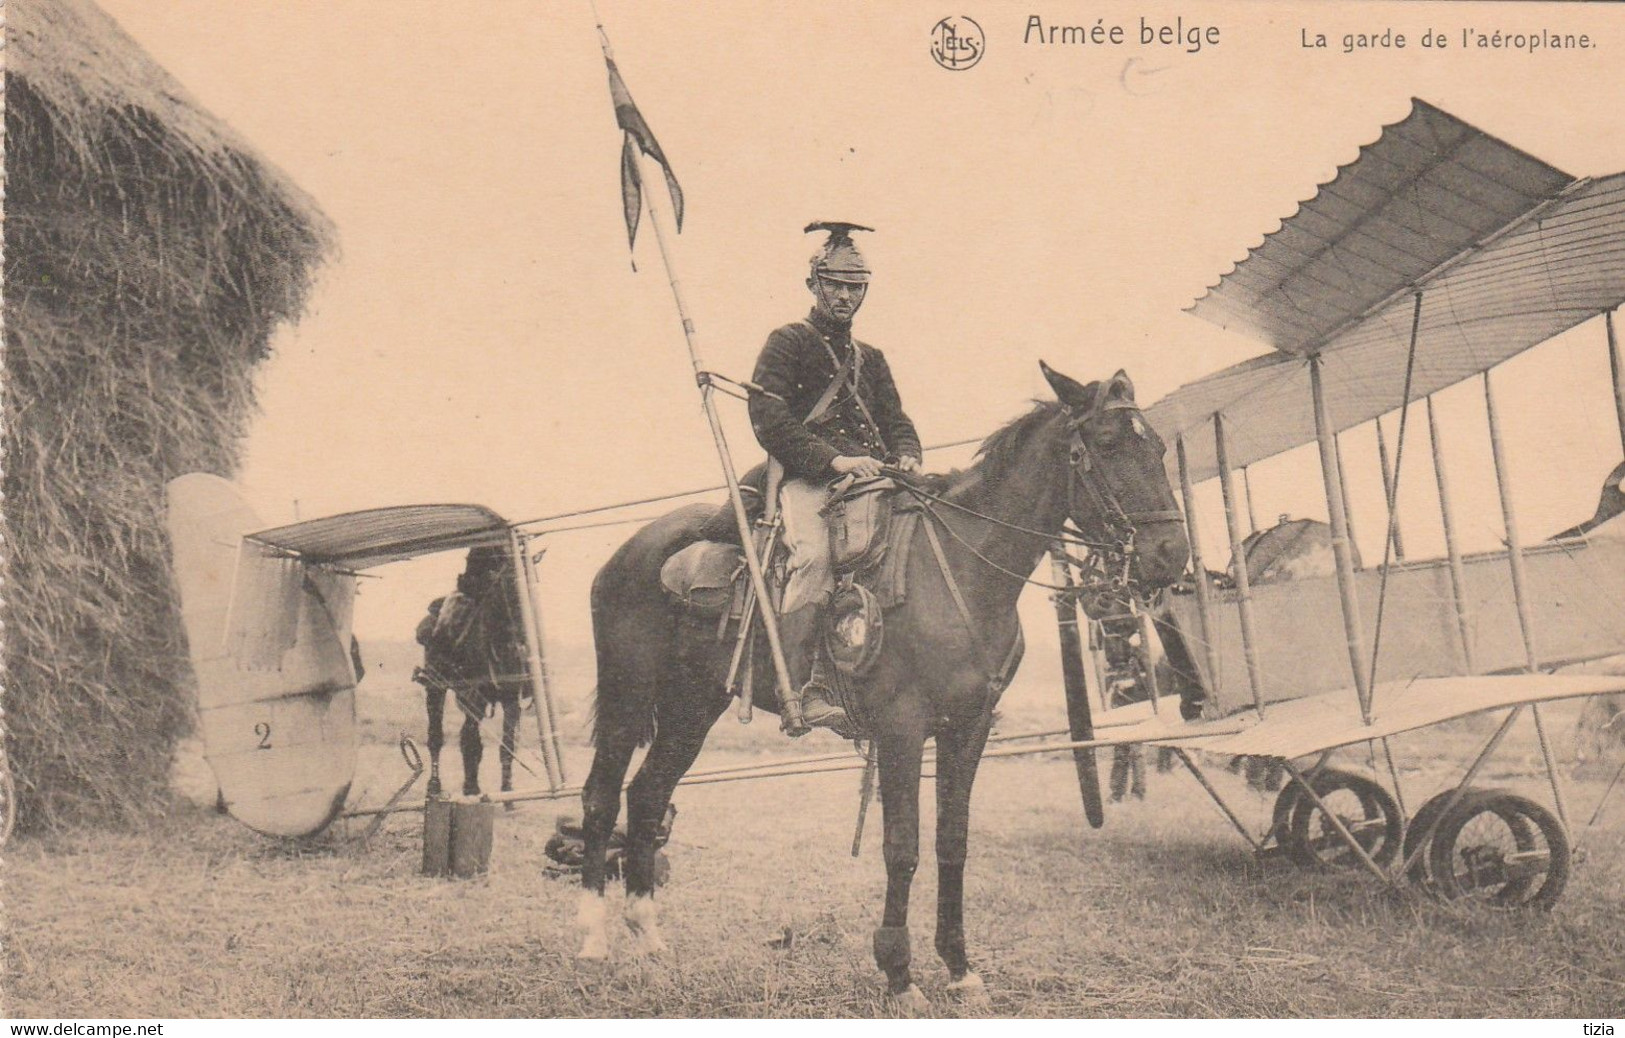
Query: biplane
{"type": "Point", "coordinates": [1439, 253]}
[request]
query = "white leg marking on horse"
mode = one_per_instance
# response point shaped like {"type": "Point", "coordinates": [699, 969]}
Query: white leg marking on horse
{"type": "Point", "coordinates": [911, 1002]}
{"type": "Point", "coordinates": [969, 990]}
{"type": "Point", "coordinates": [592, 919]}
{"type": "Point", "coordinates": [643, 919]}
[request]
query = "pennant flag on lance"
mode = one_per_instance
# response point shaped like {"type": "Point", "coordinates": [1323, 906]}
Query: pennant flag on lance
{"type": "Point", "coordinates": [638, 137]}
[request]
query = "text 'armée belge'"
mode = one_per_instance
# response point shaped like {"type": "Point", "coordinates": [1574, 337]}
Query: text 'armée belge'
{"type": "Point", "coordinates": [1145, 32]}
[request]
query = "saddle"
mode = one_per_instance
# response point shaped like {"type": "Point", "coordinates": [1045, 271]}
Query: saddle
{"type": "Point", "coordinates": [458, 611]}
{"type": "Point", "coordinates": [702, 577]}
{"type": "Point", "coordinates": [871, 525]}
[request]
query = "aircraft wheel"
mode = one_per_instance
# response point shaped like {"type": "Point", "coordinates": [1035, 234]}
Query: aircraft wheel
{"type": "Point", "coordinates": [1420, 871]}
{"type": "Point", "coordinates": [1281, 819]}
{"type": "Point", "coordinates": [1366, 810]}
{"type": "Point", "coordinates": [1500, 849]}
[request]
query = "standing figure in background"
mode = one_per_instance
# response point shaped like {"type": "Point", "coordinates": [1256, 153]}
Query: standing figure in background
{"type": "Point", "coordinates": [432, 676]}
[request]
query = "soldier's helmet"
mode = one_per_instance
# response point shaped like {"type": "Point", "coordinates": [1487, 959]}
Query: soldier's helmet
{"type": "Point", "coordinates": [838, 259]}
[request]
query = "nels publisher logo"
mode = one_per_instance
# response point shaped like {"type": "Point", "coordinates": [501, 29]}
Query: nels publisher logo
{"type": "Point", "coordinates": [957, 43]}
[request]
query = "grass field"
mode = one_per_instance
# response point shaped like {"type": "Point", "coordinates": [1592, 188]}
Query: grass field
{"type": "Point", "coordinates": [1164, 912]}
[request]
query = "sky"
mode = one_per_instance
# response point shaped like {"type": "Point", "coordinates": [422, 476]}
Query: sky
{"type": "Point", "coordinates": [482, 335]}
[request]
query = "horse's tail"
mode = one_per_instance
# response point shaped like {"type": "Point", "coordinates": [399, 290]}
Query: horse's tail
{"type": "Point", "coordinates": [634, 629]}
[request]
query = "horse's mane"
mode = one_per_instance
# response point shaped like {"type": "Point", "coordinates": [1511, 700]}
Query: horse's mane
{"type": "Point", "coordinates": [999, 452]}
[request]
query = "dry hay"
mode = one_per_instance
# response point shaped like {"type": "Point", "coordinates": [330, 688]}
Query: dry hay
{"type": "Point", "coordinates": [148, 257]}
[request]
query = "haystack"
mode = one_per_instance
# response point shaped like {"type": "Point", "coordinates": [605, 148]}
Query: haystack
{"type": "Point", "coordinates": [149, 255]}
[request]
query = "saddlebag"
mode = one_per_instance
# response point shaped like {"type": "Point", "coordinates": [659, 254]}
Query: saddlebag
{"type": "Point", "coordinates": [702, 576]}
{"type": "Point", "coordinates": [859, 517]}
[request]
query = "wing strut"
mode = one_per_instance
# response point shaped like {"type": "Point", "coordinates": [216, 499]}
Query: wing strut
{"type": "Point", "coordinates": [1390, 542]}
{"type": "Point", "coordinates": [1331, 476]}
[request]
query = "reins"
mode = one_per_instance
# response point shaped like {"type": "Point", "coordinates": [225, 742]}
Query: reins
{"type": "Point", "coordinates": [1062, 536]}
{"type": "Point", "coordinates": [937, 520]}
{"type": "Point", "coordinates": [1085, 474]}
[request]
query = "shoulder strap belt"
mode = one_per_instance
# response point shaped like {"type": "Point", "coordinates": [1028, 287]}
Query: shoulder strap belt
{"type": "Point", "coordinates": [849, 369]}
{"type": "Point", "coordinates": [843, 369]}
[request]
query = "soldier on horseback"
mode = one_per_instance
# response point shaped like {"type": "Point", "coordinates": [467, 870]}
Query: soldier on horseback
{"type": "Point", "coordinates": [827, 408]}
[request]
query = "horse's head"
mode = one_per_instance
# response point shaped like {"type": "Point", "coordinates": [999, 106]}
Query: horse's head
{"type": "Point", "coordinates": [1118, 488]}
{"type": "Point", "coordinates": [480, 623]}
{"type": "Point", "coordinates": [483, 570]}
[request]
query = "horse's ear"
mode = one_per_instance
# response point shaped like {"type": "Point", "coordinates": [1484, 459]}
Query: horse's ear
{"type": "Point", "coordinates": [1115, 390]}
{"type": "Point", "coordinates": [1070, 392]}
{"type": "Point", "coordinates": [1120, 387]}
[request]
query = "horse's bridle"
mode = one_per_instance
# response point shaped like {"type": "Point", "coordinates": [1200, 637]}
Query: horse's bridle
{"type": "Point", "coordinates": [1106, 581]}
{"type": "Point", "coordinates": [1090, 479]}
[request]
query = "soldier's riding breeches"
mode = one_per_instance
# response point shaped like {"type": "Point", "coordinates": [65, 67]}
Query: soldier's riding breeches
{"type": "Point", "coordinates": [806, 539]}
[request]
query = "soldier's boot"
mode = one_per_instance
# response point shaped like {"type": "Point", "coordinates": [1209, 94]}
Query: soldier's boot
{"type": "Point", "coordinates": [800, 632]}
{"type": "Point", "coordinates": [816, 708]}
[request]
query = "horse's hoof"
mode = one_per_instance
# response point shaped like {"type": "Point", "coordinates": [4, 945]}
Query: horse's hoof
{"type": "Point", "coordinates": [910, 1003]}
{"type": "Point", "coordinates": [969, 991]}
{"type": "Point", "coordinates": [642, 918]}
{"type": "Point", "coordinates": [592, 919]}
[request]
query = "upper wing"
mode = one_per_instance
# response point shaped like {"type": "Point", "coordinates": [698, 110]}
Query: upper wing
{"type": "Point", "coordinates": [1505, 251]}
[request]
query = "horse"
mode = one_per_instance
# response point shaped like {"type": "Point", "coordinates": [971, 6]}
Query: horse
{"type": "Point", "coordinates": [1089, 457]}
{"type": "Point", "coordinates": [473, 646]}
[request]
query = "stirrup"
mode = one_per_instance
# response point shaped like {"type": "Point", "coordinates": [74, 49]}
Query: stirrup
{"type": "Point", "coordinates": [818, 712]}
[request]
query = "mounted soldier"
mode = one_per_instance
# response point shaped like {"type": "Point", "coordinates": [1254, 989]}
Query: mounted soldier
{"type": "Point", "coordinates": [827, 409]}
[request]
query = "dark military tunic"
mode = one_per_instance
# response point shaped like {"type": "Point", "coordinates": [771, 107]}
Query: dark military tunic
{"type": "Point", "coordinates": [796, 365]}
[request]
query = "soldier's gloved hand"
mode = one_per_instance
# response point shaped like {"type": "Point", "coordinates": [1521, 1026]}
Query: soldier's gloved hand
{"type": "Point", "coordinates": [863, 468]}
{"type": "Point", "coordinates": [908, 463]}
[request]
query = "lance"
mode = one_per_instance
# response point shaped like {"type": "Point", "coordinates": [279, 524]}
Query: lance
{"type": "Point", "coordinates": [631, 121]}
{"type": "Point", "coordinates": [789, 700]}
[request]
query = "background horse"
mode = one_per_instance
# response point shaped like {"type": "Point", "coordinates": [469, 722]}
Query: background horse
{"type": "Point", "coordinates": [1090, 457]}
{"type": "Point", "coordinates": [473, 647]}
